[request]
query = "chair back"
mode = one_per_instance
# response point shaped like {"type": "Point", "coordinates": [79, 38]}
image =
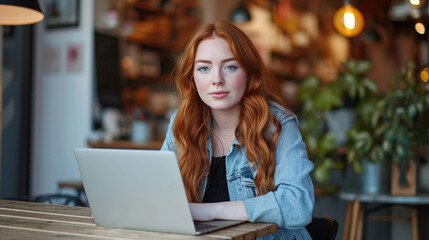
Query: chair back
{"type": "Point", "coordinates": [322, 228]}
{"type": "Point", "coordinates": [58, 199]}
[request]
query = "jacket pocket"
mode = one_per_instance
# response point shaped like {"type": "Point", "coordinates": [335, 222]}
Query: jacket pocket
{"type": "Point", "coordinates": [244, 182]}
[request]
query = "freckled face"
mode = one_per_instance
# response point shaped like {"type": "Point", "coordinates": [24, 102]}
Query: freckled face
{"type": "Point", "coordinates": [219, 78]}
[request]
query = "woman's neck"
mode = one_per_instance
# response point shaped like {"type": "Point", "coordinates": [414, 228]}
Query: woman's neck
{"type": "Point", "coordinates": [225, 122]}
{"type": "Point", "coordinates": [223, 130]}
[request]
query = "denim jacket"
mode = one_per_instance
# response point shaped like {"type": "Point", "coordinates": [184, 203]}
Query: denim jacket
{"type": "Point", "coordinates": [290, 206]}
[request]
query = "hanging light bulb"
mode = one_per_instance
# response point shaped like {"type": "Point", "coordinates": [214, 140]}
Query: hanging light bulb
{"type": "Point", "coordinates": [241, 13]}
{"type": "Point", "coordinates": [420, 28]}
{"type": "Point", "coordinates": [424, 74]}
{"type": "Point", "coordinates": [348, 21]}
{"type": "Point", "coordinates": [415, 2]}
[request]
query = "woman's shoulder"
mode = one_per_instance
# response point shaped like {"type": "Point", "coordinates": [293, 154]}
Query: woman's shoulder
{"type": "Point", "coordinates": [171, 115]}
{"type": "Point", "coordinates": [280, 112]}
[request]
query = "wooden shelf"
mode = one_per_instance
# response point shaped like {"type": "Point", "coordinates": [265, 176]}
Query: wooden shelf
{"type": "Point", "coordinates": [149, 79]}
{"type": "Point", "coordinates": [154, 42]}
{"type": "Point", "coordinates": [123, 144]}
{"type": "Point", "coordinates": [183, 7]}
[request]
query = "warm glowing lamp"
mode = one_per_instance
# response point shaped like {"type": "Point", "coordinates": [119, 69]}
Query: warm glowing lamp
{"type": "Point", "coordinates": [420, 28]}
{"type": "Point", "coordinates": [415, 2]}
{"type": "Point", "coordinates": [424, 74]}
{"type": "Point", "coordinates": [348, 21]}
{"type": "Point", "coordinates": [21, 12]}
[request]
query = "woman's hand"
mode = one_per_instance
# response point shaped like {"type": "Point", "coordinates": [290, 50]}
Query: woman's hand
{"type": "Point", "coordinates": [201, 211]}
{"type": "Point", "coordinates": [233, 210]}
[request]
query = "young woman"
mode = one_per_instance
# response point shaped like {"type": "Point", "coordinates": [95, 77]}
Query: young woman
{"type": "Point", "coordinates": [240, 151]}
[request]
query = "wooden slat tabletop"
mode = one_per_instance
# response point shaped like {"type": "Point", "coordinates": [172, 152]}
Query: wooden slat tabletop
{"type": "Point", "coordinates": [25, 220]}
{"type": "Point", "coordinates": [48, 208]}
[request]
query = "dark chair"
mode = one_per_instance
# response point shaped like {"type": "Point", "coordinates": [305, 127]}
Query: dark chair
{"type": "Point", "coordinates": [59, 199]}
{"type": "Point", "coordinates": [322, 228]}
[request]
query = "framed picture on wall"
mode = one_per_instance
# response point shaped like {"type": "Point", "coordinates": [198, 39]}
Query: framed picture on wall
{"type": "Point", "coordinates": [62, 13]}
{"type": "Point", "coordinates": [74, 57]}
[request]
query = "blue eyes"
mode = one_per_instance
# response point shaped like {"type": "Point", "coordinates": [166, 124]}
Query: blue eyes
{"type": "Point", "coordinates": [231, 68]}
{"type": "Point", "coordinates": [203, 69]}
{"type": "Point", "coordinates": [228, 68]}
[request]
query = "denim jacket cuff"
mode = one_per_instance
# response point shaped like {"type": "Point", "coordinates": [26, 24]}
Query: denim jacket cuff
{"type": "Point", "coordinates": [264, 209]}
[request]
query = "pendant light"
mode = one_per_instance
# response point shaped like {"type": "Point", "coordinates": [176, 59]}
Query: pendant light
{"type": "Point", "coordinates": [241, 13]}
{"type": "Point", "coordinates": [348, 20]}
{"type": "Point", "coordinates": [424, 74]}
{"type": "Point", "coordinates": [13, 12]}
{"type": "Point", "coordinates": [420, 27]}
{"type": "Point", "coordinates": [415, 2]}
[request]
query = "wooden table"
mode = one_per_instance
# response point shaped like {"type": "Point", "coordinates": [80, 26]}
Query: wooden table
{"type": "Point", "coordinates": [354, 222]}
{"type": "Point", "coordinates": [27, 220]}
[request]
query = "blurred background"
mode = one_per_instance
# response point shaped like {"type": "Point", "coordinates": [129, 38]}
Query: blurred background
{"type": "Point", "coordinates": [98, 73]}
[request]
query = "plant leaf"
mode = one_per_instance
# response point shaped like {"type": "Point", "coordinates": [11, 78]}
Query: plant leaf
{"type": "Point", "coordinates": [370, 84]}
{"type": "Point", "coordinates": [321, 174]}
{"type": "Point", "coordinates": [387, 146]}
{"type": "Point", "coordinates": [357, 167]}
{"type": "Point", "coordinates": [419, 107]}
{"type": "Point", "coordinates": [361, 91]}
{"type": "Point", "coordinates": [362, 67]}
{"type": "Point", "coordinates": [412, 110]}
{"type": "Point", "coordinates": [400, 151]}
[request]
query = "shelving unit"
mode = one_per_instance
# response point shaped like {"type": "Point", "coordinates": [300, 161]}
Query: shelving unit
{"type": "Point", "coordinates": [150, 36]}
{"type": "Point", "coordinates": [137, 56]}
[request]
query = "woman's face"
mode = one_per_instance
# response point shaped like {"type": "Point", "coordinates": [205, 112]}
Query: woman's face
{"type": "Point", "coordinates": [219, 78]}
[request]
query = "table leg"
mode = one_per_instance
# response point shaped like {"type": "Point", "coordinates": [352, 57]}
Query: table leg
{"type": "Point", "coordinates": [414, 223]}
{"type": "Point", "coordinates": [360, 222]}
{"type": "Point", "coordinates": [354, 219]}
{"type": "Point", "coordinates": [346, 230]}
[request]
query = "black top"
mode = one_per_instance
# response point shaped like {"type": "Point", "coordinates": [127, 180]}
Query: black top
{"type": "Point", "coordinates": [217, 188]}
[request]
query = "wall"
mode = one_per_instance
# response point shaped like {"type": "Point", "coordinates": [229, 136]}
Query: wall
{"type": "Point", "coordinates": [61, 101]}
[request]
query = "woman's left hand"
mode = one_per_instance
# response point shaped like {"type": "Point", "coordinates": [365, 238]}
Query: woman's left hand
{"type": "Point", "coordinates": [233, 210]}
{"type": "Point", "coordinates": [201, 211]}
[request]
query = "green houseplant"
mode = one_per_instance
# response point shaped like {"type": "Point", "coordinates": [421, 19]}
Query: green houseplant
{"type": "Point", "coordinates": [316, 100]}
{"type": "Point", "coordinates": [387, 126]}
{"type": "Point", "coordinates": [319, 99]}
{"type": "Point", "coordinates": [392, 126]}
{"type": "Point", "coordinates": [363, 143]}
{"type": "Point", "coordinates": [401, 120]}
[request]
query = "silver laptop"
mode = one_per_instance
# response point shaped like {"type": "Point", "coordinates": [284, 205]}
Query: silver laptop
{"type": "Point", "coordinates": [139, 189]}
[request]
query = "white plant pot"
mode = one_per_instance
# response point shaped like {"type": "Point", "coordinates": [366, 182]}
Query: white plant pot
{"type": "Point", "coordinates": [375, 177]}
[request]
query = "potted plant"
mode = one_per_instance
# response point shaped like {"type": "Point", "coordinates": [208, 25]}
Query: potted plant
{"type": "Point", "coordinates": [364, 149]}
{"type": "Point", "coordinates": [387, 126]}
{"type": "Point", "coordinates": [401, 121]}
{"type": "Point", "coordinates": [362, 143]}
{"type": "Point", "coordinates": [321, 100]}
{"type": "Point", "coordinates": [316, 100]}
{"type": "Point", "coordinates": [393, 127]}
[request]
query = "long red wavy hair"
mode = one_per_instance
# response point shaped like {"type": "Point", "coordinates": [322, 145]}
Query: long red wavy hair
{"type": "Point", "coordinates": [191, 126]}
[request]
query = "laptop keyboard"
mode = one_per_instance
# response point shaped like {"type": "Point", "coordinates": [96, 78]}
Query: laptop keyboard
{"type": "Point", "coordinates": [202, 226]}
